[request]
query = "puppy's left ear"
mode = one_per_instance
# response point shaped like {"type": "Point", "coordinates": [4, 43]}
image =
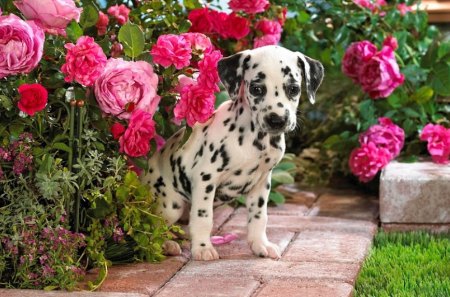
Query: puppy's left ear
{"type": "Point", "coordinates": [231, 71]}
{"type": "Point", "coordinates": [313, 72]}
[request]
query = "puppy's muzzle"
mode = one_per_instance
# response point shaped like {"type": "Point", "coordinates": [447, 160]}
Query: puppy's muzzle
{"type": "Point", "coordinates": [275, 122]}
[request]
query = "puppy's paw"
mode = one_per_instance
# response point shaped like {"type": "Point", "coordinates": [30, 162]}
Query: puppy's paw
{"type": "Point", "coordinates": [171, 248]}
{"type": "Point", "coordinates": [204, 253]}
{"type": "Point", "coordinates": [265, 249]}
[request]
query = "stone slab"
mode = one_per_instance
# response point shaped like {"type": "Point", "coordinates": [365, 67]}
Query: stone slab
{"type": "Point", "coordinates": [221, 215]}
{"type": "Point", "coordinates": [325, 246]}
{"type": "Point", "coordinates": [305, 289]}
{"type": "Point", "coordinates": [268, 269]}
{"type": "Point", "coordinates": [415, 193]}
{"type": "Point", "coordinates": [435, 228]}
{"type": "Point", "coordinates": [185, 286]}
{"type": "Point", "coordinates": [40, 293]}
{"type": "Point", "coordinates": [143, 278]}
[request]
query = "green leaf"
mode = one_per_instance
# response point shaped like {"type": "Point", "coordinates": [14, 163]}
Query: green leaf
{"type": "Point", "coordinates": [423, 95]}
{"type": "Point", "coordinates": [131, 179]}
{"type": "Point", "coordinates": [440, 81]}
{"type": "Point", "coordinates": [282, 177]}
{"type": "Point", "coordinates": [411, 112]}
{"type": "Point", "coordinates": [50, 288]}
{"type": "Point", "coordinates": [394, 101]}
{"type": "Point", "coordinates": [330, 141]}
{"type": "Point", "coordinates": [367, 110]}
{"type": "Point", "coordinates": [89, 17]}
{"type": "Point", "coordinates": [74, 31]}
{"type": "Point", "coordinates": [5, 102]}
{"type": "Point", "coordinates": [444, 49]}
{"type": "Point", "coordinates": [132, 39]}
{"type": "Point", "coordinates": [430, 57]}
{"type": "Point", "coordinates": [62, 147]}
{"type": "Point", "coordinates": [286, 166]}
{"type": "Point", "coordinates": [122, 193]}
{"type": "Point", "coordinates": [276, 197]}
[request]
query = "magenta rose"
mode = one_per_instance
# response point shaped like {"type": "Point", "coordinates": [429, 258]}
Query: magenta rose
{"type": "Point", "coordinates": [367, 160]}
{"type": "Point", "coordinates": [195, 105]}
{"type": "Point", "coordinates": [33, 98]}
{"type": "Point", "coordinates": [85, 61]}
{"type": "Point", "coordinates": [17, 34]}
{"type": "Point", "coordinates": [171, 49]}
{"type": "Point", "coordinates": [248, 6]}
{"type": "Point", "coordinates": [380, 76]}
{"type": "Point", "coordinates": [235, 27]}
{"type": "Point", "coordinates": [202, 20]}
{"type": "Point", "coordinates": [385, 135]}
{"type": "Point", "coordinates": [135, 141]}
{"type": "Point", "coordinates": [124, 83]}
{"type": "Point", "coordinates": [355, 56]}
{"type": "Point", "coordinates": [209, 76]}
{"type": "Point", "coordinates": [438, 138]}
{"type": "Point", "coordinates": [52, 15]}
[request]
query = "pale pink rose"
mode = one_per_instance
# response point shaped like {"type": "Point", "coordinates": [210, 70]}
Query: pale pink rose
{"type": "Point", "coordinates": [209, 76]}
{"type": "Point", "coordinates": [269, 27]}
{"type": "Point", "coordinates": [85, 61]}
{"type": "Point", "coordinates": [102, 23]}
{"type": "Point", "coordinates": [265, 40]}
{"type": "Point", "coordinates": [135, 142]}
{"type": "Point", "coordinates": [183, 81]}
{"type": "Point", "coordinates": [195, 105]}
{"type": "Point", "coordinates": [170, 50]}
{"type": "Point", "coordinates": [199, 42]}
{"type": "Point", "coordinates": [403, 8]}
{"type": "Point", "coordinates": [248, 6]}
{"type": "Point", "coordinates": [355, 56]}
{"type": "Point", "coordinates": [367, 160]}
{"type": "Point", "coordinates": [21, 45]}
{"type": "Point", "coordinates": [124, 83]}
{"type": "Point", "coordinates": [438, 138]}
{"type": "Point", "coordinates": [52, 15]}
{"type": "Point", "coordinates": [380, 76]}
{"type": "Point", "coordinates": [385, 135]}
{"type": "Point", "coordinates": [120, 13]}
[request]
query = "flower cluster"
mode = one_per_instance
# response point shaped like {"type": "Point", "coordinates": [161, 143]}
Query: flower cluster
{"type": "Point", "coordinates": [197, 97]}
{"type": "Point", "coordinates": [379, 145]}
{"type": "Point", "coordinates": [376, 71]}
{"type": "Point", "coordinates": [438, 138]}
{"type": "Point", "coordinates": [375, 6]}
{"type": "Point", "coordinates": [19, 153]}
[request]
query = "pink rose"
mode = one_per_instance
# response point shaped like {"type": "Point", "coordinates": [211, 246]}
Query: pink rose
{"type": "Point", "coordinates": [196, 104]}
{"type": "Point", "coordinates": [33, 98]}
{"type": "Point", "coordinates": [235, 27]}
{"type": "Point", "coordinates": [266, 40]}
{"type": "Point", "coordinates": [102, 23]}
{"type": "Point", "coordinates": [355, 56]}
{"type": "Point", "coordinates": [269, 27]}
{"type": "Point", "coordinates": [209, 76]}
{"type": "Point", "coordinates": [183, 81]}
{"type": "Point", "coordinates": [120, 13]}
{"type": "Point", "coordinates": [199, 42]}
{"type": "Point", "coordinates": [21, 45]}
{"type": "Point", "coordinates": [386, 135]}
{"type": "Point", "coordinates": [135, 142]}
{"type": "Point", "coordinates": [438, 138]}
{"type": "Point", "coordinates": [52, 15]}
{"type": "Point", "coordinates": [403, 8]}
{"type": "Point", "coordinates": [248, 6]}
{"type": "Point", "coordinates": [370, 4]}
{"type": "Point", "coordinates": [380, 76]}
{"type": "Point", "coordinates": [124, 82]}
{"type": "Point", "coordinates": [391, 42]}
{"type": "Point", "coordinates": [367, 160]}
{"type": "Point", "coordinates": [170, 50]}
{"type": "Point", "coordinates": [85, 61]}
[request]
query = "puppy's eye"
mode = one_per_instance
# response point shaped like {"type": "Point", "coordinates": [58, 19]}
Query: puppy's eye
{"type": "Point", "coordinates": [256, 90]}
{"type": "Point", "coordinates": [293, 90]}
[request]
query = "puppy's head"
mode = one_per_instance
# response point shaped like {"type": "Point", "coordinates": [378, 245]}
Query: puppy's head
{"type": "Point", "coordinates": [268, 79]}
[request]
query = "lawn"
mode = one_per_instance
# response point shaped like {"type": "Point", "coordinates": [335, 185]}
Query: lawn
{"type": "Point", "coordinates": [406, 264]}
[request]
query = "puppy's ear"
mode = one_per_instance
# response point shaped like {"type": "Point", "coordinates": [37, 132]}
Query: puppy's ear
{"type": "Point", "coordinates": [313, 72]}
{"type": "Point", "coordinates": [231, 71]}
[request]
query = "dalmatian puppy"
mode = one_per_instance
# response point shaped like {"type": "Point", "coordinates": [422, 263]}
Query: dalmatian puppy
{"type": "Point", "coordinates": [233, 154]}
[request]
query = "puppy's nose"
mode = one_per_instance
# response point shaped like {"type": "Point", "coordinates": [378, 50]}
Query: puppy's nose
{"type": "Point", "coordinates": [275, 121]}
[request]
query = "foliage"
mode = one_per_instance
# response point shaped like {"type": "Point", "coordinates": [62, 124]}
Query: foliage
{"type": "Point", "coordinates": [411, 264]}
{"type": "Point", "coordinates": [324, 30]}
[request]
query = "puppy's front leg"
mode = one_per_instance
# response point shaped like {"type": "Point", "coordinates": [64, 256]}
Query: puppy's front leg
{"type": "Point", "coordinates": [201, 220]}
{"type": "Point", "coordinates": [257, 220]}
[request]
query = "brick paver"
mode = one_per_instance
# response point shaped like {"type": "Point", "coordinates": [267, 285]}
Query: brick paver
{"type": "Point", "coordinates": [305, 289]}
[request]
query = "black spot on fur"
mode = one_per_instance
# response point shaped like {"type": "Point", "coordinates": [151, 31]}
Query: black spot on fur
{"type": "Point", "coordinates": [268, 186]}
{"type": "Point", "coordinates": [206, 177]}
{"type": "Point", "coordinates": [274, 141]}
{"type": "Point", "coordinates": [258, 145]}
{"type": "Point", "coordinates": [209, 188]}
{"type": "Point", "coordinates": [253, 169]}
{"type": "Point", "coordinates": [279, 104]}
{"type": "Point", "coordinates": [261, 135]}
{"type": "Point", "coordinates": [252, 126]}
{"type": "Point", "coordinates": [226, 121]}
{"type": "Point", "coordinates": [276, 93]}
{"type": "Point", "coordinates": [175, 205]}
{"type": "Point", "coordinates": [238, 172]}
{"type": "Point", "coordinates": [260, 202]}
{"type": "Point", "coordinates": [159, 183]}
{"type": "Point", "coordinates": [232, 127]}
{"type": "Point", "coordinates": [211, 147]}
{"type": "Point", "coordinates": [267, 160]}
{"type": "Point", "coordinates": [202, 244]}
{"type": "Point", "coordinates": [241, 129]}
{"type": "Point", "coordinates": [240, 139]}
{"type": "Point", "coordinates": [164, 205]}
{"type": "Point", "coordinates": [202, 213]}
{"type": "Point", "coordinates": [255, 65]}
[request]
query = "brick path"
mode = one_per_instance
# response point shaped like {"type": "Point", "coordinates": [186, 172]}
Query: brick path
{"type": "Point", "coordinates": [324, 237]}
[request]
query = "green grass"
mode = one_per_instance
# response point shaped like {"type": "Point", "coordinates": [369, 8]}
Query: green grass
{"type": "Point", "coordinates": [406, 264]}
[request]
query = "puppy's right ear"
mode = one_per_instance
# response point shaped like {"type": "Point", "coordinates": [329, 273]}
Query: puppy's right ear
{"type": "Point", "coordinates": [231, 71]}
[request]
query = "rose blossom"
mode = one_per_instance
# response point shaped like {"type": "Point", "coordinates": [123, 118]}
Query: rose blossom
{"type": "Point", "coordinates": [438, 138]}
{"type": "Point", "coordinates": [170, 50]}
{"type": "Point", "coordinates": [355, 56]}
{"type": "Point", "coordinates": [196, 104]}
{"type": "Point", "coordinates": [248, 6]}
{"type": "Point", "coordinates": [52, 15]}
{"type": "Point", "coordinates": [120, 13]}
{"type": "Point", "coordinates": [199, 42]}
{"type": "Point", "coordinates": [85, 61]}
{"type": "Point", "coordinates": [209, 76]}
{"type": "Point", "coordinates": [269, 27]}
{"type": "Point", "coordinates": [367, 160]}
{"type": "Point", "coordinates": [135, 142]}
{"type": "Point", "coordinates": [124, 82]}
{"type": "Point", "coordinates": [201, 19]}
{"type": "Point", "coordinates": [102, 23]}
{"type": "Point", "coordinates": [386, 135]}
{"type": "Point", "coordinates": [380, 76]}
{"type": "Point", "coordinates": [117, 129]}
{"type": "Point", "coordinates": [265, 40]}
{"type": "Point", "coordinates": [33, 98]}
{"type": "Point", "coordinates": [21, 45]}
{"type": "Point", "coordinates": [403, 8]}
{"type": "Point", "coordinates": [235, 27]}
{"type": "Point", "coordinates": [391, 42]}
